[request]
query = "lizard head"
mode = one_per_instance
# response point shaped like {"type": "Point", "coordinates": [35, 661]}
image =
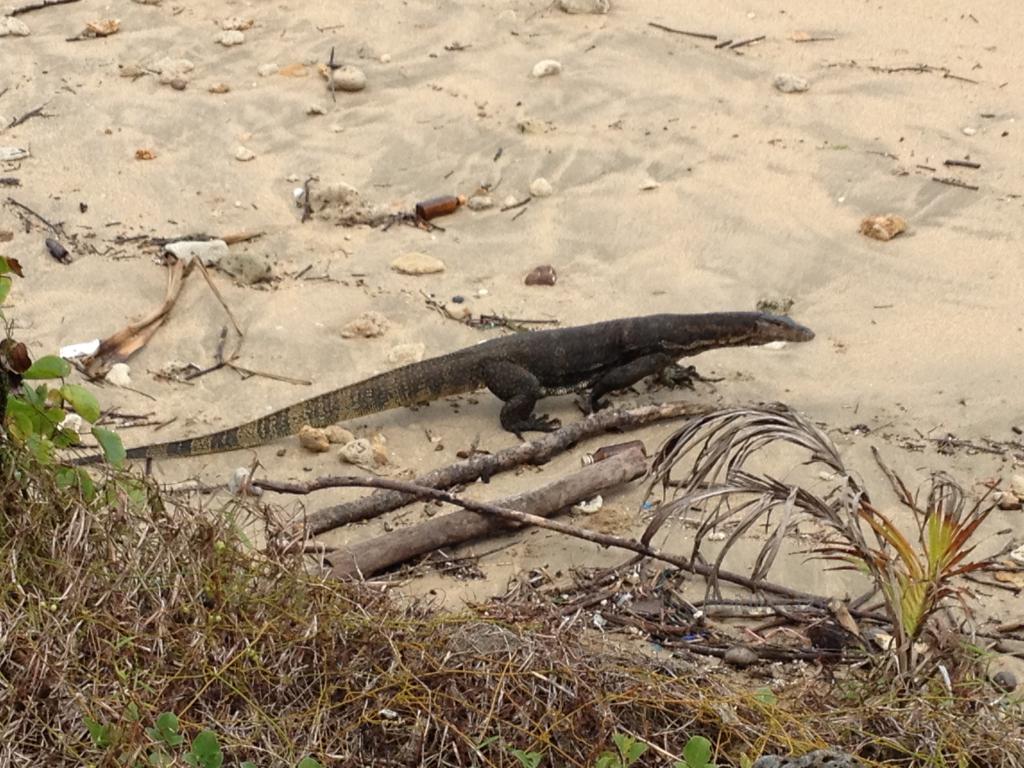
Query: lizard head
{"type": "Point", "coordinates": [780, 328]}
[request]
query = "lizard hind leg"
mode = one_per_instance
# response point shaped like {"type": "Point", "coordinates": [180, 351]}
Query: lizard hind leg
{"type": "Point", "coordinates": [520, 390]}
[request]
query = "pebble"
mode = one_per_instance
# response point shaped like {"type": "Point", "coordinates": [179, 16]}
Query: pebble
{"type": "Point", "coordinates": [240, 482]}
{"type": "Point", "coordinates": [480, 202]}
{"type": "Point", "coordinates": [219, 88]}
{"type": "Point", "coordinates": [790, 83]}
{"type": "Point", "coordinates": [740, 656]}
{"type": "Point", "coordinates": [12, 26]}
{"type": "Point", "coordinates": [368, 325]}
{"type": "Point", "coordinates": [543, 275]}
{"type": "Point", "coordinates": [171, 69]}
{"type": "Point", "coordinates": [119, 375]}
{"type": "Point", "coordinates": [883, 227]}
{"type": "Point", "coordinates": [358, 452]}
{"type": "Point", "coordinates": [266, 70]}
{"type": "Point", "coordinates": [385, 58]}
{"type": "Point", "coordinates": [338, 435]}
{"type": "Point", "coordinates": [8, 154]}
{"type": "Point", "coordinates": [244, 154]}
{"type": "Point", "coordinates": [1017, 485]}
{"type": "Point", "coordinates": [236, 22]}
{"type": "Point", "coordinates": [313, 439]}
{"type": "Point", "coordinates": [230, 37]}
{"type": "Point", "coordinates": [968, 130]}
{"type": "Point", "coordinates": [648, 184]}
{"type": "Point", "coordinates": [1017, 555]}
{"type": "Point", "coordinates": [1004, 680]}
{"type": "Point", "coordinates": [404, 354]}
{"type": "Point", "coordinates": [819, 758]}
{"type": "Point", "coordinates": [590, 506]}
{"type": "Point", "coordinates": [209, 252]}
{"type": "Point", "coordinates": [546, 68]}
{"type": "Point", "coordinates": [1008, 500]}
{"type": "Point", "coordinates": [509, 201]}
{"type": "Point", "coordinates": [585, 6]}
{"type": "Point", "coordinates": [416, 263]}
{"type": "Point", "coordinates": [179, 83]}
{"type": "Point", "coordinates": [348, 78]}
{"type": "Point", "coordinates": [541, 187]}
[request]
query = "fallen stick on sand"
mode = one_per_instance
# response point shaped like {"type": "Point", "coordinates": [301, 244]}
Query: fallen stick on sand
{"type": "Point", "coordinates": [366, 558]}
{"type": "Point", "coordinates": [535, 451]}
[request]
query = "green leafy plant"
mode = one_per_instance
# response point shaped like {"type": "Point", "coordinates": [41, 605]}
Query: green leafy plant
{"type": "Point", "coordinates": [205, 751]}
{"type": "Point", "coordinates": [527, 759]}
{"type": "Point", "coordinates": [35, 415]}
{"type": "Point", "coordinates": [696, 754]}
{"type": "Point", "coordinates": [628, 749]}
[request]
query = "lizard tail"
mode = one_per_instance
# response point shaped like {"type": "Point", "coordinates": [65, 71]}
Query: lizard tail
{"type": "Point", "coordinates": [409, 385]}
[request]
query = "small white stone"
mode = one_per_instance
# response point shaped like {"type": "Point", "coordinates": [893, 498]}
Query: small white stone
{"type": "Point", "coordinates": [348, 78]}
{"type": "Point", "coordinates": [12, 26]}
{"type": "Point", "coordinates": [9, 154]}
{"type": "Point", "coordinates": [385, 58]}
{"type": "Point", "coordinates": [241, 482]}
{"type": "Point", "coordinates": [775, 345]}
{"type": "Point", "coordinates": [358, 452]}
{"type": "Point", "coordinates": [648, 184]}
{"type": "Point", "coordinates": [209, 252]}
{"type": "Point", "coordinates": [336, 127]}
{"type": "Point", "coordinates": [509, 201]}
{"type": "Point", "coordinates": [590, 506]}
{"type": "Point", "coordinates": [541, 187]}
{"type": "Point", "coordinates": [416, 263]}
{"type": "Point", "coordinates": [969, 130]}
{"type": "Point", "coordinates": [480, 203]}
{"type": "Point", "coordinates": [119, 375]}
{"type": "Point", "coordinates": [585, 6]}
{"type": "Point", "coordinates": [230, 37]}
{"type": "Point", "coordinates": [268, 69]}
{"type": "Point", "coordinates": [786, 83]}
{"type": "Point", "coordinates": [244, 154]}
{"type": "Point", "coordinates": [236, 22]}
{"type": "Point", "coordinates": [1017, 485]}
{"type": "Point", "coordinates": [1017, 555]}
{"type": "Point", "coordinates": [546, 68]}
{"type": "Point", "coordinates": [481, 292]}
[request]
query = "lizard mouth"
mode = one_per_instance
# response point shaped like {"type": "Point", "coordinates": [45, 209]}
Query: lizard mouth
{"type": "Point", "coordinates": [784, 329]}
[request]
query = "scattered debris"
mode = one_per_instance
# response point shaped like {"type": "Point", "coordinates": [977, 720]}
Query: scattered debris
{"type": "Point", "coordinates": [119, 375]}
{"type": "Point", "coordinates": [786, 83]}
{"type": "Point", "coordinates": [416, 263]}
{"type": "Point", "coordinates": [954, 182]}
{"type": "Point", "coordinates": [648, 184]}
{"type": "Point", "coordinates": [58, 251]}
{"type": "Point", "coordinates": [314, 439]}
{"type": "Point", "coordinates": [343, 204]}
{"type": "Point", "coordinates": [543, 275]}
{"type": "Point", "coordinates": [94, 29]}
{"type": "Point", "coordinates": [173, 71]}
{"type": "Point", "coordinates": [368, 325]}
{"type": "Point", "coordinates": [209, 252]}
{"type": "Point", "coordinates": [145, 154]}
{"type": "Point", "coordinates": [230, 37]}
{"type": "Point", "coordinates": [438, 206]}
{"type": "Point", "coordinates": [546, 68]}
{"type": "Point", "coordinates": [338, 435]}
{"type": "Point", "coordinates": [585, 6]}
{"type": "Point", "coordinates": [236, 23]}
{"type": "Point", "coordinates": [10, 26]}
{"type": "Point", "coordinates": [345, 77]}
{"type": "Point", "coordinates": [541, 187]}
{"type": "Point", "coordinates": [11, 154]}
{"type": "Point", "coordinates": [674, 31]}
{"type": "Point", "coordinates": [883, 227]}
{"type": "Point", "coordinates": [405, 354]}
{"type": "Point", "coordinates": [480, 202]}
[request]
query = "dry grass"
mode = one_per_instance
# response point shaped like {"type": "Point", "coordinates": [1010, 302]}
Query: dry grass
{"type": "Point", "coordinates": [141, 605]}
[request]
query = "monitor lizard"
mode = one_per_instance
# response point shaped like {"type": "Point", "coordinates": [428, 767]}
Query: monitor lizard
{"type": "Point", "coordinates": [519, 369]}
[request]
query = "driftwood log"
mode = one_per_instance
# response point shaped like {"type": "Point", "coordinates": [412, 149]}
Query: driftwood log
{"type": "Point", "coordinates": [535, 451]}
{"type": "Point", "coordinates": [368, 557]}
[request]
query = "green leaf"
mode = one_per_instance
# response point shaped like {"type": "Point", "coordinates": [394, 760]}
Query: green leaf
{"type": "Point", "coordinates": [82, 400]}
{"type": "Point", "coordinates": [131, 712]}
{"type": "Point", "coordinates": [306, 762]}
{"type": "Point", "coordinates": [20, 417]}
{"type": "Point", "coordinates": [765, 696]}
{"type": "Point", "coordinates": [251, 764]}
{"type": "Point", "coordinates": [205, 752]}
{"type": "Point", "coordinates": [5, 288]}
{"type": "Point", "coordinates": [697, 752]}
{"type": "Point", "coordinates": [630, 748]}
{"type": "Point", "coordinates": [111, 444]}
{"type": "Point", "coordinates": [166, 729]}
{"type": "Point", "coordinates": [102, 735]}
{"type": "Point", "coordinates": [49, 367]}
{"type": "Point", "coordinates": [527, 759]}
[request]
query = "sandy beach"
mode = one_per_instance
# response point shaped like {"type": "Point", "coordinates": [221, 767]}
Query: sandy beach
{"type": "Point", "coordinates": [682, 180]}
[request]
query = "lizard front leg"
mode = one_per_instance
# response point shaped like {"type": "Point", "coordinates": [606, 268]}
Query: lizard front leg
{"type": "Point", "coordinates": [520, 390]}
{"type": "Point", "coordinates": [627, 375]}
